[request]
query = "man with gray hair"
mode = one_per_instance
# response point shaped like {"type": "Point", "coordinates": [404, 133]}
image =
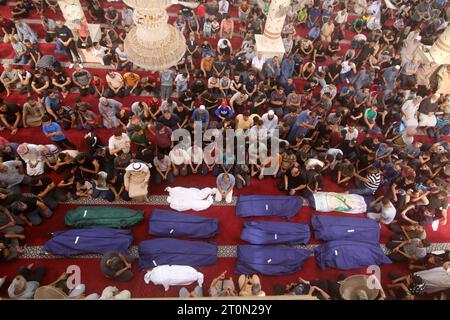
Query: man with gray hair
{"type": "Point", "coordinates": [109, 108]}
{"type": "Point", "coordinates": [9, 78]}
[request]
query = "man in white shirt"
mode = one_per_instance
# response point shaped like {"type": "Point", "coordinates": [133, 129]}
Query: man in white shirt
{"type": "Point", "coordinates": [385, 212]}
{"type": "Point", "coordinates": [180, 159]}
{"type": "Point", "coordinates": [127, 17]}
{"type": "Point", "coordinates": [119, 142]}
{"type": "Point", "coordinates": [195, 154]}
{"type": "Point", "coordinates": [351, 133]}
{"type": "Point", "coordinates": [258, 64]}
{"type": "Point", "coordinates": [311, 163]}
{"type": "Point", "coordinates": [258, 131]}
{"type": "Point", "coordinates": [410, 112]}
{"type": "Point", "coordinates": [224, 6]}
{"type": "Point", "coordinates": [225, 46]}
{"type": "Point", "coordinates": [270, 120]}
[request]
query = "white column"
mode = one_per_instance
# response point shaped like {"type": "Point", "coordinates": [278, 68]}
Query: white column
{"type": "Point", "coordinates": [270, 43]}
{"type": "Point", "coordinates": [440, 51]}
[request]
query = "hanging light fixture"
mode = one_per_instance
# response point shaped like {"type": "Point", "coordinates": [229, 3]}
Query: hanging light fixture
{"type": "Point", "coordinates": [152, 43]}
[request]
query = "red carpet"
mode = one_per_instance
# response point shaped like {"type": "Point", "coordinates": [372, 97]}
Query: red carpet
{"type": "Point", "coordinates": [96, 282]}
{"type": "Point", "coordinates": [230, 225]}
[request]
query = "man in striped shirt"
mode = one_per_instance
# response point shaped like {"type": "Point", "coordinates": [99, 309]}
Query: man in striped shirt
{"type": "Point", "coordinates": [368, 185]}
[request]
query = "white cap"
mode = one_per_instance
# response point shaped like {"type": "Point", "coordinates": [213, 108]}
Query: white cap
{"type": "Point", "coordinates": [271, 113]}
{"type": "Point", "coordinates": [202, 107]}
{"type": "Point", "coordinates": [397, 67]}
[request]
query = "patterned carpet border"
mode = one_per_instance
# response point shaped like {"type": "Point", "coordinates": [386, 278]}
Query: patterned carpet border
{"type": "Point", "coordinates": [37, 252]}
{"type": "Point", "coordinates": [153, 200]}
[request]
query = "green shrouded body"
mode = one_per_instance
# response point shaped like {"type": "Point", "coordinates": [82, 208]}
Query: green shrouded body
{"type": "Point", "coordinates": [102, 216]}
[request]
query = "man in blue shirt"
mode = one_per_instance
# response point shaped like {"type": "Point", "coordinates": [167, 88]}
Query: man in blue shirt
{"type": "Point", "coordinates": [224, 112]}
{"type": "Point", "coordinates": [305, 121]}
{"type": "Point", "coordinates": [225, 185]}
{"type": "Point", "coordinates": [390, 76]}
{"type": "Point", "coordinates": [200, 117]}
{"type": "Point", "coordinates": [52, 104]}
{"type": "Point", "coordinates": [287, 69]}
{"type": "Point", "coordinates": [53, 131]}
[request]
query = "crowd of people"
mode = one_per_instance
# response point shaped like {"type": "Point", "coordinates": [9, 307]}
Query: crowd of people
{"type": "Point", "coordinates": [350, 101]}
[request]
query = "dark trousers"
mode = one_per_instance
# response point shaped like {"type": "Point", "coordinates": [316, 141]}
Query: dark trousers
{"type": "Point", "coordinates": [395, 256]}
{"type": "Point", "coordinates": [32, 275]}
{"type": "Point", "coordinates": [85, 91]}
{"type": "Point", "coordinates": [72, 49]}
{"type": "Point", "coordinates": [65, 144]}
{"type": "Point", "coordinates": [110, 93]}
{"type": "Point", "coordinates": [84, 45]}
{"type": "Point", "coordinates": [54, 197]}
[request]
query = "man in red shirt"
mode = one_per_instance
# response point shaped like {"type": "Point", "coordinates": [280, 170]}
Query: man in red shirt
{"type": "Point", "coordinates": [98, 84]}
{"type": "Point", "coordinates": [201, 14]}
{"type": "Point", "coordinates": [163, 137]}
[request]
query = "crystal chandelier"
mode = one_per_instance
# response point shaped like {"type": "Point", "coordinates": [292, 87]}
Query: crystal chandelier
{"type": "Point", "coordinates": [153, 44]}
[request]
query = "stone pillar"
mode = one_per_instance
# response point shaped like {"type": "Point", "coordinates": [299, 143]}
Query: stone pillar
{"type": "Point", "coordinates": [270, 43]}
{"type": "Point", "coordinates": [74, 15]}
{"type": "Point", "coordinates": [440, 51]}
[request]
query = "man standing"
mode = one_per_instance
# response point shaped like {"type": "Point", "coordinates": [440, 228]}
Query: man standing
{"type": "Point", "coordinates": [258, 64]}
{"type": "Point", "coordinates": [65, 36]}
{"type": "Point", "coordinates": [119, 142]}
{"type": "Point", "coordinates": [167, 78]}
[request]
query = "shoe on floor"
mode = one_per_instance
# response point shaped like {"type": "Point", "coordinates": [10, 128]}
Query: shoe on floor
{"type": "Point", "coordinates": [183, 293]}
{"type": "Point", "coordinates": [279, 290]}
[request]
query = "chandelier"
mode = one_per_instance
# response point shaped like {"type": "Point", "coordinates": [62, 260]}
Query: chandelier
{"type": "Point", "coordinates": [152, 43]}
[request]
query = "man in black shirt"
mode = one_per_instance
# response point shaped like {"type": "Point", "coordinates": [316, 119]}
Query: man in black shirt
{"type": "Point", "coordinates": [187, 99]}
{"type": "Point", "coordinates": [10, 116]}
{"type": "Point", "coordinates": [65, 36]}
{"type": "Point", "coordinates": [8, 152]}
{"type": "Point", "coordinates": [33, 52]}
{"type": "Point", "coordinates": [44, 188]}
{"type": "Point", "coordinates": [169, 119]}
{"type": "Point", "coordinates": [333, 71]}
{"type": "Point", "coordinates": [293, 181]}
{"type": "Point", "coordinates": [87, 166]}
{"type": "Point", "coordinates": [104, 159]}
{"type": "Point", "coordinates": [192, 46]}
{"type": "Point", "coordinates": [61, 81]}
{"type": "Point", "coordinates": [183, 115]}
{"type": "Point", "coordinates": [30, 210]}
{"type": "Point", "coordinates": [367, 50]}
